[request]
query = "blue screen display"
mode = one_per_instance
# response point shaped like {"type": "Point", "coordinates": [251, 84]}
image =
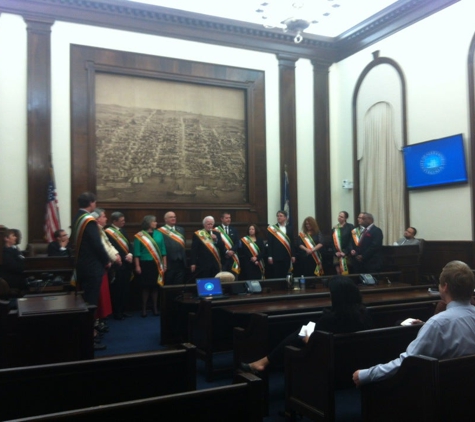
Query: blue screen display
{"type": "Point", "coordinates": [434, 163]}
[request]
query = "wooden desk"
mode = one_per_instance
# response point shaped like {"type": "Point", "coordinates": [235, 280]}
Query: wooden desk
{"type": "Point", "coordinates": [173, 319]}
{"type": "Point", "coordinates": [49, 329]}
{"type": "Point", "coordinates": [178, 301]}
{"type": "Point", "coordinates": [296, 302]}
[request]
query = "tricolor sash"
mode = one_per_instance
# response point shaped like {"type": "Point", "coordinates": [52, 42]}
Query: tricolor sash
{"type": "Point", "coordinates": [282, 238]}
{"type": "Point", "coordinates": [79, 228]}
{"type": "Point", "coordinates": [310, 244]}
{"type": "Point", "coordinates": [356, 235]}
{"type": "Point", "coordinates": [119, 238]}
{"type": "Point", "coordinates": [254, 249]}
{"type": "Point", "coordinates": [207, 240]}
{"type": "Point", "coordinates": [173, 234]}
{"type": "Point", "coordinates": [228, 244]}
{"type": "Point", "coordinates": [149, 243]}
{"type": "Point", "coordinates": [337, 242]}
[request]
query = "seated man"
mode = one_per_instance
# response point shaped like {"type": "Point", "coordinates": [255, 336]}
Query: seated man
{"type": "Point", "coordinates": [59, 246]}
{"type": "Point", "coordinates": [409, 238]}
{"type": "Point", "coordinates": [448, 334]}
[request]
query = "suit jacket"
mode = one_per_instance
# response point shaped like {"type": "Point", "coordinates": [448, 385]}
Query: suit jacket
{"type": "Point", "coordinates": [207, 266]}
{"type": "Point", "coordinates": [234, 235]}
{"type": "Point", "coordinates": [91, 258]}
{"type": "Point", "coordinates": [276, 250]}
{"type": "Point", "coordinates": [54, 249]}
{"type": "Point", "coordinates": [370, 248]}
{"type": "Point", "coordinates": [174, 250]}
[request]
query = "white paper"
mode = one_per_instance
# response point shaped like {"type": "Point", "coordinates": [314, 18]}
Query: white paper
{"type": "Point", "coordinates": [306, 330]}
{"type": "Point", "coordinates": [408, 321]}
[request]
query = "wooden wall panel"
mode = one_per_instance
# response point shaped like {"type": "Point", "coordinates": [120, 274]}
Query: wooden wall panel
{"type": "Point", "coordinates": [288, 133]}
{"type": "Point", "coordinates": [437, 253]}
{"type": "Point", "coordinates": [39, 123]}
{"type": "Point", "coordinates": [321, 172]}
{"type": "Point", "coordinates": [86, 61]}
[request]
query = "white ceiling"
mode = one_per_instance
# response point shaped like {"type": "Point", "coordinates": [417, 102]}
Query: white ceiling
{"type": "Point", "coordinates": [349, 14]}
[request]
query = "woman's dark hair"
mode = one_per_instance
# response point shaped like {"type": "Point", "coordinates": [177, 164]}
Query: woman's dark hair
{"type": "Point", "coordinates": [255, 228]}
{"type": "Point", "coordinates": [344, 292]}
{"type": "Point", "coordinates": [347, 306]}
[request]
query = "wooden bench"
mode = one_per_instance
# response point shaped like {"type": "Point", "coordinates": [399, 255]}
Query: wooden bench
{"type": "Point", "coordinates": [423, 389]}
{"type": "Point", "coordinates": [37, 390]}
{"type": "Point", "coordinates": [236, 402]}
{"type": "Point", "coordinates": [315, 373]}
{"type": "Point", "coordinates": [264, 332]}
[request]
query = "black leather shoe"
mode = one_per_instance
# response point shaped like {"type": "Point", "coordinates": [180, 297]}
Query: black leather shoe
{"type": "Point", "coordinates": [126, 315]}
{"type": "Point", "coordinates": [247, 368]}
{"type": "Point", "coordinates": [99, 346]}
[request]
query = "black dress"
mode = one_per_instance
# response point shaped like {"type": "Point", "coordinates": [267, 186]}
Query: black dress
{"type": "Point", "coordinates": [341, 322]}
{"type": "Point", "coordinates": [345, 241]}
{"type": "Point", "coordinates": [307, 263]}
{"type": "Point", "coordinates": [249, 270]}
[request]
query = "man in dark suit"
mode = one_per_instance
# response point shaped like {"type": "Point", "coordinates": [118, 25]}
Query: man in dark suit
{"type": "Point", "coordinates": [367, 250]}
{"type": "Point", "coordinates": [120, 275]}
{"type": "Point", "coordinates": [207, 250]}
{"type": "Point", "coordinates": [59, 246]}
{"type": "Point", "coordinates": [231, 240]}
{"type": "Point", "coordinates": [280, 246]}
{"type": "Point", "coordinates": [174, 237]}
{"type": "Point", "coordinates": [91, 257]}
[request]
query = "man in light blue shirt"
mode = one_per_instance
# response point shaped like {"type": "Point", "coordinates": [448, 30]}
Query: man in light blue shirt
{"type": "Point", "coordinates": [448, 334]}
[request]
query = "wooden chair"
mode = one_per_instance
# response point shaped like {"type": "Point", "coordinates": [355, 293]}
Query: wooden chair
{"type": "Point", "coordinates": [315, 373]}
{"type": "Point", "coordinates": [423, 389]}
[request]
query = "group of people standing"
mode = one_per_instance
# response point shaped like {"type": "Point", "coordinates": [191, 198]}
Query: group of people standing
{"type": "Point", "coordinates": [105, 257]}
{"type": "Point", "coordinates": [219, 248]}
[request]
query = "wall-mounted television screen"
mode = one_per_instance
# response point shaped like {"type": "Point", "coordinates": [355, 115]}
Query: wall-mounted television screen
{"type": "Point", "coordinates": [435, 163]}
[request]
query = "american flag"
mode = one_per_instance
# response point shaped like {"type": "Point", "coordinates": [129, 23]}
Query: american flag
{"type": "Point", "coordinates": [52, 222]}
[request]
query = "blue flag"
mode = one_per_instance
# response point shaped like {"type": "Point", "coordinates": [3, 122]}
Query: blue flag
{"type": "Point", "coordinates": [285, 198]}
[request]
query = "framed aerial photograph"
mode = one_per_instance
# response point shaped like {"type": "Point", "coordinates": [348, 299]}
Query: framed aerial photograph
{"type": "Point", "coordinates": [169, 141]}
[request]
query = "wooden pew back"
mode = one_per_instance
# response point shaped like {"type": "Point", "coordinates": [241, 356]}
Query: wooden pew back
{"type": "Point", "coordinates": [326, 364]}
{"type": "Point", "coordinates": [37, 390]}
{"type": "Point", "coordinates": [237, 402]}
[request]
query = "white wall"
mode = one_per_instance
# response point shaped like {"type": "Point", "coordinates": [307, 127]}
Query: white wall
{"type": "Point", "coordinates": [433, 56]}
{"type": "Point", "coordinates": [13, 127]}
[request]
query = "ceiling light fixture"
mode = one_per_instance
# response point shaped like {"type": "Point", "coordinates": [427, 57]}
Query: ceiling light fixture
{"type": "Point", "coordinates": [294, 16]}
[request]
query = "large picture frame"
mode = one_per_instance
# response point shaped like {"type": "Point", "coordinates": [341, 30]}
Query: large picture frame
{"type": "Point", "coordinates": [241, 188]}
{"type": "Point", "coordinates": [159, 140]}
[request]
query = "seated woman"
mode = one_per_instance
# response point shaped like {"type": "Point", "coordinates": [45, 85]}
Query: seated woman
{"type": "Point", "coordinates": [347, 315]}
{"type": "Point", "coordinates": [13, 263]}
